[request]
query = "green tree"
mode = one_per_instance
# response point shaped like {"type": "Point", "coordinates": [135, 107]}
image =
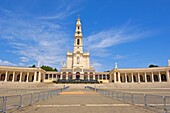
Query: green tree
{"type": "Point", "coordinates": [152, 65]}
{"type": "Point", "coordinates": [107, 71]}
{"type": "Point", "coordinates": [55, 69]}
{"type": "Point", "coordinates": [48, 68]}
{"type": "Point", "coordinates": [33, 66]}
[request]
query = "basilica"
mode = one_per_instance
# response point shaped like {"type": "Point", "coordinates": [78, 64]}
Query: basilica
{"type": "Point", "coordinates": [77, 69]}
{"type": "Point", "coordinates": [78, 61]}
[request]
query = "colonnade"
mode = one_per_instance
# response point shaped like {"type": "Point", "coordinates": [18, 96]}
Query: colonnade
{"type": "Point", "coordinates": [21, 76]}
{"type": "Point", "coordinates": [131, 77]}
{"type": "Point", "coordinates": [72, 76]}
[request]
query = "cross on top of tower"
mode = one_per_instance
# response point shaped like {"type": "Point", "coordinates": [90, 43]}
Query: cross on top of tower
{"type": "Point", "coordinates": [78, 21]}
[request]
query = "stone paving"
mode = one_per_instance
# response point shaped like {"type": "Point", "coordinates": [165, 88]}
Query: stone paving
{"type": "Point", "coordinates": [81, 101]}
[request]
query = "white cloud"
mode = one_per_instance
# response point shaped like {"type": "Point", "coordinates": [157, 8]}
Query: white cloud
{"type": "Point", "coordinates": [100, 42]}
{"type": "Point", "coordinates": [59, 15]}
{"type": "Point", "coordinates": [64, 10]}
{"type": "Point", "coordinates": [118, 57]}
{"type": "Point", "coordinates": [97, 66]}
{"type": "Point", "coordinates": [35, 40]}
{"type": "Point", "coordinates": [24, 59]}
{"type": "Point", "coordinates": [6, 63]}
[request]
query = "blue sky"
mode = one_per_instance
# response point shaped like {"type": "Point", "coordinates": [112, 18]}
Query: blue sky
{"type": "Point", "coordinates": [133, 33]}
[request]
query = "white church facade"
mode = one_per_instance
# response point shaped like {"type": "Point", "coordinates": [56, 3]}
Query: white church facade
{"type": "Point", "coordinates": [78, 69]}
{"type": "Point", "coordinates": [78, 62]}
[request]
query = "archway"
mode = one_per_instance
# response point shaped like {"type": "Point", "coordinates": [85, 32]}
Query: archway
{"type": "Point", "coordinates": [104, 77]}
{"type": "Point", "coordinates": [70, 76]}
{"type": "Point", "coordinates": [96, 77]}
{"type": "Point", "coordinates": [10, 77]}
{"type": "Point", "coordinates": [2, 77]}
{"type": "Point", "coordinates": [32, 79]}
{"type": "Point", "coordinates": [148, 78]}
{"type": "Point", "coordinates": [163, 78]}
{"type": "Point", "coordinates": [134, 79]}
{"type": "Point", "coordinates": [100, 76]}
{"type": "Point", "coordinates": [58, 76]}
{"type": "Point", "coordinates": [108, 77]}
{"type": "Point", "coordinates": [91, 76]}
{"type": "Point", "coordinates": [64, 76]}
{"type": "Point", "coordinates": [25, 78]}
{"type": "Point", "coordinates": [77, 75]}
{"type": "Point", "coordinates": [141, 78]}
{"type": "Point", "coordinates": [85, 76]}
{"type": "Point", "coordinates": [18, 77]}
{"type": "Point", "coordinates": [127, 78]}
{"type": "Point", "coordinates": [121, 78]}
{"type": "Point", "coordinates": [156, 79]}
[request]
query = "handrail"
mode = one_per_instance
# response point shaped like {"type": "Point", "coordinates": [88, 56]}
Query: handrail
{"type": "Point", "coordinates": [158, 102]}
{"type": "Point", "coordinates": [21, 100]}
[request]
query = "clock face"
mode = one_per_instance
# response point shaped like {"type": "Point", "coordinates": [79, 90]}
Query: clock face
{"type": "Point", "coordinates": [78, 32]}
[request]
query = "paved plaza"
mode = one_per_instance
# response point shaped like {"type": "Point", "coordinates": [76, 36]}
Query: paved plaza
{"type": "Point", "coordinates": [81, 101]}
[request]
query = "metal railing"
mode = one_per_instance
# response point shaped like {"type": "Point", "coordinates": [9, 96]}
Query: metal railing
{"type": "Point", "coordinates": [154, 102]}
{"type": "Point", "coordinates": [21, 90]}
{"type": "Point", "coordinates": [19, 101]}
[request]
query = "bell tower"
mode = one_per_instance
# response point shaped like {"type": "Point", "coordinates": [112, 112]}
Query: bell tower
{"type": "Point", "coordinates": [78, 38]}
{"type": "Point", "coordinates": [78, 61]}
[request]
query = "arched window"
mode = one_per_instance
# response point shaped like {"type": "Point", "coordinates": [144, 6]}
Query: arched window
{"type": "Point", "coordinates": [78, 27]}
{"type": "Point", "coordinates": [78, 41]}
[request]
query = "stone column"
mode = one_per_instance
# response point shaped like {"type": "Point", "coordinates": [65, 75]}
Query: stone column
{"type": "Point", "coordinates": [20, 80]}
{"type": "Point", "coordinates": [52, 76]}
{"type": "Point", "coordinates": [125, 77]}
{"type": "Point", "coordinates": [93, 76]}
{"type": "Point", "coordinates": [139, 77]}
{"type": "Point", "coordinates": [39, 77]}
{"type": "Point", "coordinates": [27, 76]}
{"type": "Point", "coordinates": [35, 76]}
{"type": "Point", "coordinates": [167, 74]}
{"type": "Point", "coordinates": [6, 76]}
{"type": "Point", "coordinates": [49, 76]}
{"type": "Point", "coordinates": [145, 78]}
{"type": "Point", "coordinates": [66, 75]}
{"type": "Point", "coordinates": [132, 77]}
{"type": "Point", "coordinates": [160, 77]}
{"type": "Point", "coordinates": [82, 76]}
{"type": "Point", "coordinates": [119, 77]}
{"type": "Point", "coordinates": [152, 77]}
{"type": "Point", "coordinates": [61, 76]}
{"type": "Point", "coordinates": [102, 77]}
{"type": "Point", "coordinates": [115, 77]}
{"type": "Point", "coordinates": [13, 77]}
{"type": "Point", "coordinates": [88, 76]}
